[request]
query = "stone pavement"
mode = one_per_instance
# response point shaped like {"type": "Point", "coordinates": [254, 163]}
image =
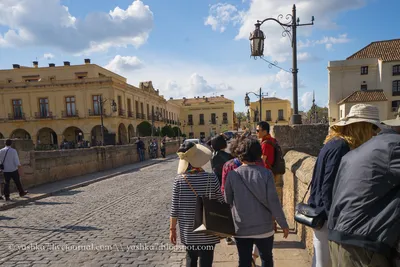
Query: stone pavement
{"type": "Point", "coordinates": [119, 221]}
{"type": "Point", "coordinates": [287, 252]}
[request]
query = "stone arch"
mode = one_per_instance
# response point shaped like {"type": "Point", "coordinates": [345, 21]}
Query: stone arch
{"type": "Point", "coordinates": [131, 132]}
{"type": "Point", "coordinates": [1, 136]}
{"type": "Point", "coordinates": [122, 134]}
{"type": "Point", "coordinates": [46, 136]}
{"type": "Point", "coordinates": [20, 134]}
{"type": "Point", "coordinates": [96, 134]}
{"type": "Point", "coordinates": [73, 134]}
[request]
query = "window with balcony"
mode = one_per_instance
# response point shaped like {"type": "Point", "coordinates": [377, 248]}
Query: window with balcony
{"type": "Point", "coordinates": [142, 110]}
{"type": "Point", "coordinates": [396, 70]}
{"type": "Point", "coordinates": [130, 113]}
{"type": "Point", "coordinates": [268, 115]}
{"type": "Point", "coordinates": [96, 104]}
{"type": "Point", "coordinates": [280, 115]}
{"type": "Point", "coordinates": [364, 70]}
{"type": "Point", "coordinates": [44, 107]}
{"type": "Point", "coordinates": [396, 88]}
{"type": "Point", "coordinates": [395, 105]}
{"type": "Point", "coordinates": [213, 118]}
{"type": "Point", "coordinates": [224, 118]}
{"type": "Point", "coordinates": [190, 119]}
{"type": "Point", "coordinates": [17, 109]}
{"type": "Point", "coordinates": [201, 119]}
{"type": "Point", "coordinates": [364, 87]}
{"type": "Point", "coordinates": [70, 106]}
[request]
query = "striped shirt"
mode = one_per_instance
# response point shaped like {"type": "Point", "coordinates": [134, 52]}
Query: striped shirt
{"type": "Point", "coordinates": [184, 204]}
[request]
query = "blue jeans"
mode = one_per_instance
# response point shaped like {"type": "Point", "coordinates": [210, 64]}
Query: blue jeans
{"type": "Point", "coordinates": [141, 154]}
{"type": "Point", "coordinates": [245, 249]}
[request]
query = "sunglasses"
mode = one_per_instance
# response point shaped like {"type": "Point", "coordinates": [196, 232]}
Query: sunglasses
{"type": "Point", "coordinates": [257, 130]}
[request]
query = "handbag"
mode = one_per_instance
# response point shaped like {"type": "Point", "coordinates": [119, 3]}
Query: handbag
{"type": "Point", "coordinates": [2, 163]}
{"type": "Point", "coordinates": [309, 216]}
{"type": "Point", "coordinates": [211, 216]}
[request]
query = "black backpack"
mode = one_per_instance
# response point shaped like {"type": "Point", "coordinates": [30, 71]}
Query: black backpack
{"type": "Point", "coordinates": [279, 166]}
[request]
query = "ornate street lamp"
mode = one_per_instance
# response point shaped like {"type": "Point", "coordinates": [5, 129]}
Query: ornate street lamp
{"type": "Point", "coordinates": [257, 38]}
{"type": "Point", "coordinates": [260, 96]}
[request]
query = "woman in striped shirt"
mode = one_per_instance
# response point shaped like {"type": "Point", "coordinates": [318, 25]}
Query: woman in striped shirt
{"type": "Point", "coordinates": [193, 181]}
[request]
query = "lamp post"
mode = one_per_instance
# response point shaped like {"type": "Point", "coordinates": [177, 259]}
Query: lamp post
{"type": "Point", "coordinates": [289, 29]}
{"type": "Point", "coordinates": [260, 95]}
{"type": "Point", "coordinates": [113, 109]}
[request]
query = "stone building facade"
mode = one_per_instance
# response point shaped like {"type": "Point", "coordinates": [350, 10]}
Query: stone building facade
{"type": "Point", "coordinates": [56, 103]}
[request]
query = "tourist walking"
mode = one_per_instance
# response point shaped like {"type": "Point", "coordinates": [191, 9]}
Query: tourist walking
{"type": "Point", "coordinates": [220, 157]}
{"type": "Point", "coordinates": [192, 180]}
{"type": "Point", "coordinates": [251, 192]}
{"type": "Point", "coordinates": [140, 149]}
{"type": "Point", "coordinates": [163, 147]}
{"type": "Point", "coordinates": [364, 216]}
{"type": "Point", "coordinates": [10, 166]}
{"type": "Point", "coordinates": [357, 128]}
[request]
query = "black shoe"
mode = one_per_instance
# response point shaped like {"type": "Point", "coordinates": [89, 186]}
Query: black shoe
{"type": "Point", "coordinates": [8, 199]}
{"type": "Point", "coordinates": [1, 198]}
{"type": "Point", "coordinates": [23, 193]}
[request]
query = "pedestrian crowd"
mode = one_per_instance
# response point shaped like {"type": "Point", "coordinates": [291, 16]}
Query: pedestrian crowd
{"type": "Point", "coordinates": [353, 206]}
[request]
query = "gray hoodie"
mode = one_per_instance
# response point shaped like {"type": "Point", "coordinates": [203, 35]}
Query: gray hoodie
{"type": "Point", "coordinates": [249, 215]}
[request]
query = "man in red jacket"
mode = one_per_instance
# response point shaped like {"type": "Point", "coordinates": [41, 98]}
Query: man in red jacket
{"type": "Point", "coordinates": [268, 151]}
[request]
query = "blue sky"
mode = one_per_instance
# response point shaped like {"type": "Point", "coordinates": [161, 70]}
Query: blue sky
{"type": "Point", "coordinates": [197, 47]}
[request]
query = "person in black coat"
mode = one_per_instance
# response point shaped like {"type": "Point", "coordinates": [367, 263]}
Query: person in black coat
{"type": "Point", "coordinates": [220, 157]}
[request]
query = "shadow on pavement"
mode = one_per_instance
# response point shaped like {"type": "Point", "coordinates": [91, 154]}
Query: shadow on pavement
{"type": "Point", "coordinates": [5, 218]}
{"type": "Point", "coordinates": [288, 244]}
{"type": "Point", "coordinates": [42, 203]}
{"type": "Point", "coordinates": [69, 192]}
{"type": "Point", "coordinates": [78, 228]}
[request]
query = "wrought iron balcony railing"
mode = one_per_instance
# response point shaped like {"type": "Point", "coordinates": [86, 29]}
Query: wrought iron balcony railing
{"type": "Point", "coordinates": [46, 115]}
{"type": "Point", "coordinates": [69, 114]}
{"type": "Point", "coordinates": [17, 116]}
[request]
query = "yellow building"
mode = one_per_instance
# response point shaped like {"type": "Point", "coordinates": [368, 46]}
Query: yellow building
{"type": "Point", "coordinates": [274, 111]}
{"type": "Point", "coordinates": [56, 103]}
{"type": "Point", "coordinates": [205, 116]}
{"type": "Point", "coordinates": [371, 75]}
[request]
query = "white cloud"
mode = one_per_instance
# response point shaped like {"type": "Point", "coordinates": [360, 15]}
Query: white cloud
{"type": "Point", "coordinates": [285, 80]}
{"type": "Point", "coordinates": [179, 79]}
{"type": "Point", "coordinates": [305, 56]}
{"type": "Point", "coordinates": [49, 23]}
{"type": "Point", "coordinates": [124, 63]}
{"type": "Point", "coordinates": [327, 41]}
{"type": "Point", "coordinates": [306, 101]}
{"type": "Point", "coordinates": [277, 47]}
{"type": "Point", "coordinates": [221, 15]}
{"type": "Point", "coordinates": [48, 56]}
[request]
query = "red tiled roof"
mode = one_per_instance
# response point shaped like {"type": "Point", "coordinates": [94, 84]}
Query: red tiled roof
{"type": "Point", "coordinates": [388, 50]}
{"type": "Point", "coordinates": [364, 96]}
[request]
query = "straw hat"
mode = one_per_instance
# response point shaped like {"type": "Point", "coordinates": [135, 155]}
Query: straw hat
{"type": "Point", "coordinates": [394, 122]}
{"type": "Point", "coordinates": [361, 113]}
{"type": "Point", "coordinates": [193, 154]}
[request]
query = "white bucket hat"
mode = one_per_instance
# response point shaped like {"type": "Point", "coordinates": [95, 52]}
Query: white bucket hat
{"type": "Point", "coordinates": [197, 156]}
{"type": "Point", "coordinates": [394, 122]}
{"type": "Point", "coordinates": [361, 113]}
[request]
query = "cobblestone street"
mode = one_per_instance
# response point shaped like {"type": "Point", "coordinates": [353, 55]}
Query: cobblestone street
{"type": "Point", "coordinates": [122, 221]}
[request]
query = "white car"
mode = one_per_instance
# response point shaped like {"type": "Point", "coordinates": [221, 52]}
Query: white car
{"type": "Point", "coordinates": [196, 141]}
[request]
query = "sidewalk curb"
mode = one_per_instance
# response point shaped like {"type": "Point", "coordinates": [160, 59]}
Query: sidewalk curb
{"type": "Point", "coordinates": [25, 201]}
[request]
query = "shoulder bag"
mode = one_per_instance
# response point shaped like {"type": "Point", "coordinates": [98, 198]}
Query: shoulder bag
{"type": "Point", "coordinates": [309, 216]}
{"type": "Point", "coordinates": [2, 163]}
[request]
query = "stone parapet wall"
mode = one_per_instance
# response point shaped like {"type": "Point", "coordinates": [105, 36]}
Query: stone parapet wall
{"type": "Point", "coordinates": [303, 138]}
{"type": "Point", "coordinates": [299, 170]}
{"type": "Point", "coordinates": [40, 167]}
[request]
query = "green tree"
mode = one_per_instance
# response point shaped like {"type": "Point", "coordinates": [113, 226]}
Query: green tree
{"type": "Point", "coordinates": [320, 113]}
{"type": "Point", "coordinates": [167, 131]}
{"type": "Point", "coordinates": [241, 119]}
{"type": "Point", "coordinates": [177, 131]}
{"type": "Point", "coordinates": [144, 129]}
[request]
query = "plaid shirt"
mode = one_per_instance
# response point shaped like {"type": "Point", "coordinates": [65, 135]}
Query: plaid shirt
{"type": "Point", "coordinates": [230, 166]}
